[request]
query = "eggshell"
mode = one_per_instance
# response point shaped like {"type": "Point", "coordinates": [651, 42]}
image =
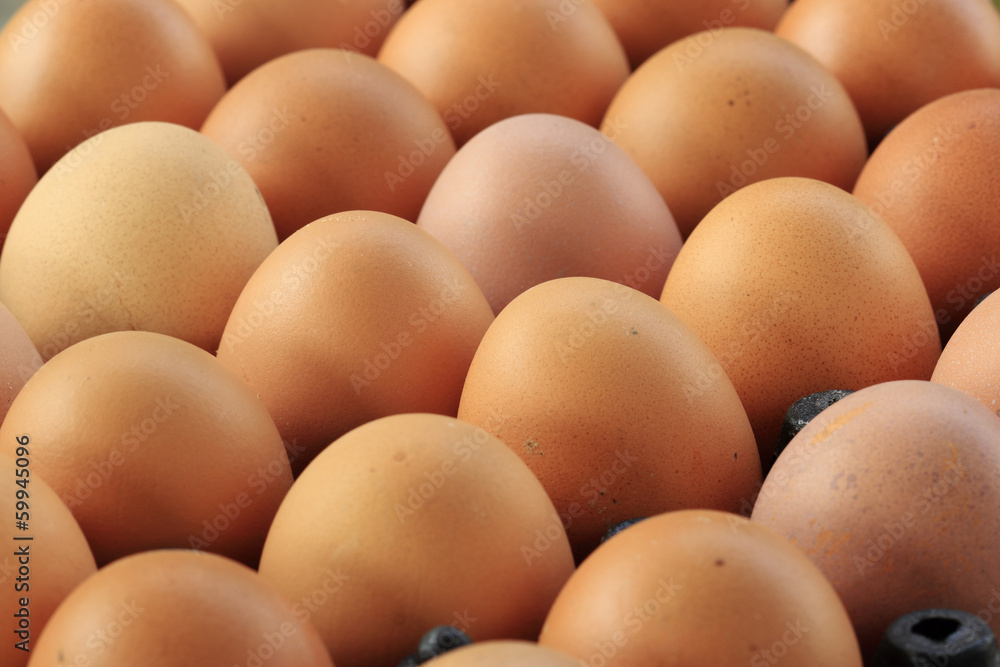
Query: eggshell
{"type": "Point", "coordinates": [354, 317]}
{"type": "Point", "coordinates": [18, 359]}
{"type": "Point", "coordinates": [728, 107]}
{"type": "Point", "coordinates": [797, 287]}
{"type": "Point", "coordinates": [324, 131]}
{"type": "Point", "coordinates": [646, 26]}
{"type": "Point", "coordinates": [152, 443]}
{"type": "Point", "coordinates": [614, 403]}
{"type": "Point", "coordinates": [248, 33]}
{"type": "Point", "coordinates": [480, 61]}
{"type": "Point", "coordinates": [17, 173]}
{"type": "Point", "coordinates": [971, 359]}
{"type": "Point", "coordinates": [71, 69]}
{"type": "Point", "coordinates": [893, 492]}
{"type": "Point", "coordinates": [173, 607]}
{"type": "Point", "coordinates": [504, 653]}
{"type": "Point", "coordinates": [933, 181]}
{"type": "Point", "coordinates": [700, 588]}
{"type": "Point", "coordinates": [417, 521]}
{"type": "Point", "coordinates": [148, 227]}
{"type": "Point", "coordinates": [895, 57]}
{"type": "Point", "coordinates": [51, 548]}
{"type": "Point", "coordinates": [538, 197]}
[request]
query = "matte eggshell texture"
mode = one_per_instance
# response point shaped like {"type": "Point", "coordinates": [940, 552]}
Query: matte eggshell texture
{"type": "Point", "coordinates": [538, 197]}
{"type": "Point", "coordinates": [17, 173]}
{"type": "Point", "coordinates": [169, 608]}
{"type": "Point", "coordinates": [480, 61]}
{"type": "Point", "coordinates": [614, 403]}
{"type": "Point", "coordinates": [70, 69]}
{"type": "Point", "coordinates": [419, 520]}
{"type": "Point", "coordinates": [147, 227]}
{"type": "Point", "coordinates": [797, 287]}
{"type": "Point", "coordinates": [722, 109]}
{"type": "Point", "coordinates": [896, 57]}
{"type": "Point", "coordinates": [18, 359]}
{"type": "Point", "coordinates": [971, 359]}
{"type": "Point", "coordinates": [894, 493]}
{"type": "Point", "coordinates": [934, 181]}
{"type": "Point", "coordinates": [700, 589]}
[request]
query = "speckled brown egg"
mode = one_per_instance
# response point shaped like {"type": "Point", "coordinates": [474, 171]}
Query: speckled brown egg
{"type": "Point", "coordinates": [71, 69]}
{"type": "Point", "coordinates": [893, 492]}
{"type": "Point", "coordinates": [18, 359]}
{"type": "Point", "coordinates": [796, 286]}
{"type": "Point", "coordinates": [17, 173]}
{"type": "Point", "coordinates": [149, 226]}
{"type": "Point", "coordinates": [480, 61]}
{"type": "Point", "coordinates": [614, 403]}
{"type": "Point", "coordinates": [538, 197]}
{"type": "Point", "coordinates": [354, 317]}
{"type": "Point", "coordinates": [971, 359]}
{"type": "Point", "coordinates": [326, 130]}
{"type": "Point", "coordinates": [725, 108]}
{"type": "Point", "coordinates": [933, 181]}
{"type": "Point", "coordinates": [700, 588]}
{"type": "Point", "coordinates": [895, 57]}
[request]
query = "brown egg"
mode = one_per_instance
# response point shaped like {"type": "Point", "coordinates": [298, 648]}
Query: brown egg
{"type": "Point", "coordinates": [894, 57]}
{"type": "Point", "coordinates": [933, 181]}
{"type": "Point", "coordinates": [147, 227]}
{"type": "Point", "coordinates": [480, 61]}
{"type": "Point", "coordinates": [646, 26]}
{"type": "Point", "coordinates": [414, 521]}
{"type": "Point", "coordinates": [504, 653]}
{"type": "Point", "coordinates": [152, 443]}
{"type": "Point", "coordinates": [17, 173]}
{"type": "Point", "coordinates": [247, 33]}
{"type": "Point", "coordinates": [356, 316]}
{"type": "Point", "coordinates": [18, 359]}
{"type": "Point", "coordinates": [729, 107]}
{"type": "Point", "coordinates": [971, 359]}
{"type": "Point", "coordinates": [71, 69]}
{"type": "Point", "coordinates": [324, 131]}
{"type": "Point", "coordinates": [173, 607]}
{"type": "Point", "coordinates": [797, 287]}
{"type": "Point", "coordinates": [893, 492]}
{"type": "Point", "coordinates": [43, 560]}
{"type": "Point", "coordinates": [614, 403]}
{"type": "Point", "coordinates": [700, 587]}
{"type": "Point", "coordinates": [538, 197]}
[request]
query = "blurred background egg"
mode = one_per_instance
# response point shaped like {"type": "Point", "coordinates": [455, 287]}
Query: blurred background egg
{"type": "Point", "coordinates": [70, 69]}
{"type": "Point", "coordinates": [537, 197]}
{"type": "Point", "coordinates": [725, 108]}
{"type": "Point", "coordinates": [325, 130]}
{"type": "Point", "coordinates": [797, 287]}
{"type": "Point", "coordinates": [894, 493]}
{"type": "Point", "coordinates": [18, 359]}
{"type": "Point", "coordinates": [17, 173]}
{"type": "Point", "coordinates": [424, 521]}
{"type": "Point", "coordinates": [480, 61]}
{"type": "Point", "coordinates": [148, 226]}
{"type": "Point", "coordinates": [895, 57]}
{"type": "Point", "coordinates": [971, 359]}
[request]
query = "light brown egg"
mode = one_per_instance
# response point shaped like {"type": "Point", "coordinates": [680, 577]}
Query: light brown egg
{"type": "Point", "coordinates": [700, 588]}
{"type": "Point", "coordinates": [325, 131]}
{"type": "Point", "coordinates": [894, 493]}
{"type": "Point", "coordinates": [971, 359]}
{"type": "Point", "coordinates": [173, 607]}
{"type": "Point", "coordinates": [152, 443]}
{"type": "Point", "coordinates": [614, 403]}
{"type": "Point", "coordinates": [796, 286]}
{"type": "Point", "coordinates": [71, 69]}
{"type": "Point", "coordinates": [17, 173]}
{"type": "Point", "coordinates": [504, 653]}
{"type": "Point", "coordinates": [18, 359]}
{"type": "Point", "coordinates": [480, 61]}
{"type": "Point", "coordinates": [40, 563]}
{"type": "Point", "coordinates": [538, 197]}
{"type": "Point", "coordinates": [932, 180]}
{"type": "Point", "coordinates": [147, 227]}
{"type": "Point", "coordinates": [895, 57]}
{"type": "Point", "coordinates": [247, 33]}
{"type": "Point", "coordinates": [729, 107]}
{"type": "Point", "coordinates": [356, 316]}
{"type": "Point", "coordinates": [414, 521]}
{"type": "Point", "coordinates": [646, 26]}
